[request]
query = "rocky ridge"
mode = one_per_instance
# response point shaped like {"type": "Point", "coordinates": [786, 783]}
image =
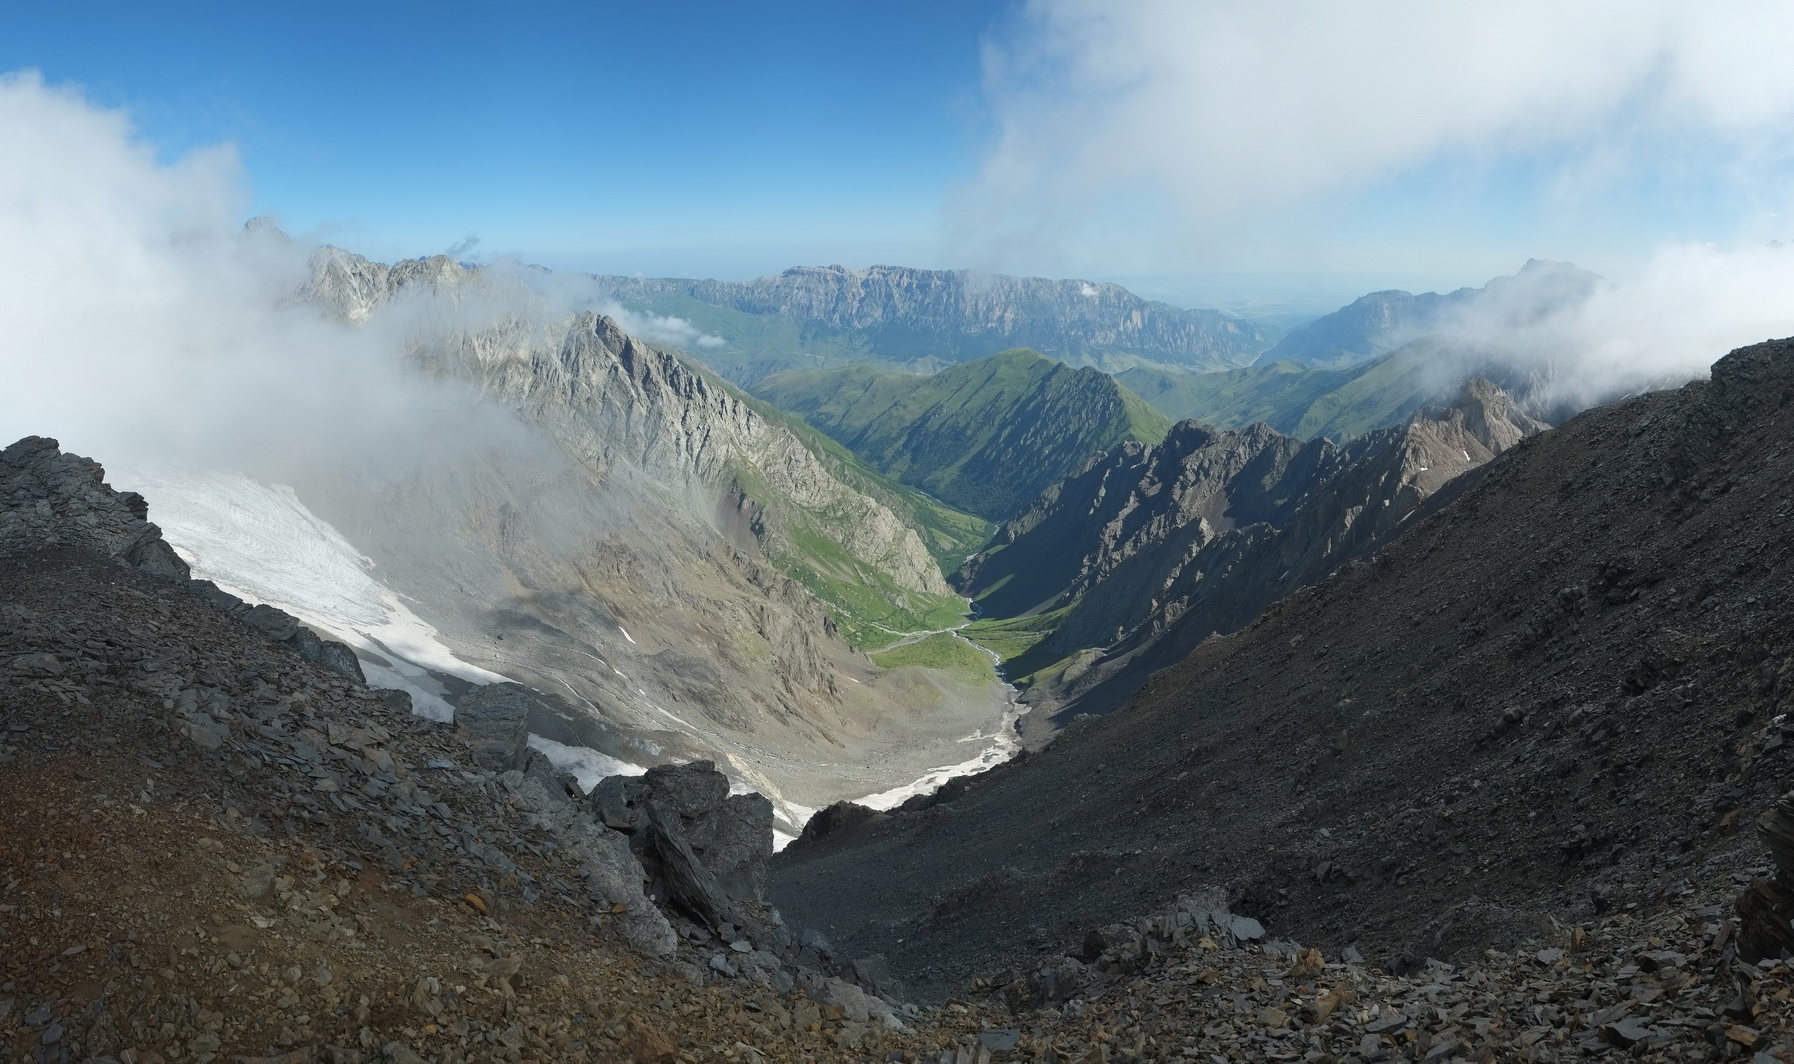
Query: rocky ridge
{"type": "Point", "coordinates": [614, 401]}
{"type": "Point", "coordinates": [1153, 549]}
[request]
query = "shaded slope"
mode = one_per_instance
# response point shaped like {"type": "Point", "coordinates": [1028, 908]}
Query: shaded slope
{"type": "Point", "coordinates": [815, 317]}
{"type": "Point", "coordinates": [1151, 549]}
{"type": "Point", "coordinates": [1548, 698]}
{"type": "Point", "coordinates": [985, 436]}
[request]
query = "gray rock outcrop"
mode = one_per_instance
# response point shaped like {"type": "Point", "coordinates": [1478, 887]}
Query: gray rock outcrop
{"type": "Point", "coordinates": [678, 815]}
{"type": "Point", "coordinates": [496, 717]}
{"type": "Point", "coordinates": [53, 500]}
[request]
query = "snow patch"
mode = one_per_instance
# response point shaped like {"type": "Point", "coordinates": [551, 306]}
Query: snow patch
{"type": "Point", "coordinates": [588, 766]}
{"type": "Point", "coordinates": [262, 544]}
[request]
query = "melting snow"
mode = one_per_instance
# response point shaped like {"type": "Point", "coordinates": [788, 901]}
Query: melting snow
{"type": "Point", "coordinates": [1001, 749]}
{"type": "Point", "coordinates": [260, 543]}
{"type": "Point", "coordinates": [587, 765]}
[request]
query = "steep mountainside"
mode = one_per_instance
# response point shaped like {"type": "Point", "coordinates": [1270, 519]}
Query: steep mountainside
{"type": "Point", "coordinates": [616, 403]}
{"type": "Point", "coordinates": [217, 845]}
{"type": "Point", "coordinates": [1383, 321]}
{"type": "Point", "coordinates": [985, 436]}
{"type": "Point", "coordinates": [572, 508]}
{"type": "Point", "coordinates": [828, 316]}
{"type": "Point", "coordinates": [1149, 550]}
{"type": "Point", "coordinates": [1595, 614]}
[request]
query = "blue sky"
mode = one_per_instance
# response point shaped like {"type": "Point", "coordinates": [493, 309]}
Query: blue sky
{"type": "Point", "coordinates": [1265, 154]}
{"type": "Point", "coordinates": [676, 137]}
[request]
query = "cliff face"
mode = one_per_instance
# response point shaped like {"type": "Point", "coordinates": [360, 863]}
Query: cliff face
{"type": "Point", "coordinates": [615, 402]}
{"type": "Point", "coordinates": [900, 314]}
{"type": "Point", "coordinates": [1156, 548]}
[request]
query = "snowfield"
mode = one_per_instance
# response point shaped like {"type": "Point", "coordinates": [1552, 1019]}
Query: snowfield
{"type": "Point", "coordinates": [262, 544]}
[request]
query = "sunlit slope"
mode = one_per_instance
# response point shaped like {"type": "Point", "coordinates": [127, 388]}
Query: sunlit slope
{"type": "Point", "coordinates": [986, 436]}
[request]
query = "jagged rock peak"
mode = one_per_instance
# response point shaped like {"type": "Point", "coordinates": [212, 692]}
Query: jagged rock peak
{"type": "Point", "coordinates": [50, 499]}
{"type": "Point", "coordinates": [1492, 416]}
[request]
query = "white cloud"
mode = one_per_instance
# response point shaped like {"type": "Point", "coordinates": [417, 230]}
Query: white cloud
{"type": "Point", "coordinates": [138, 316]}
{"type": "Point", "coordinates": [1230, 114]}
{"type": "Point", "coordinates": [655, 328]}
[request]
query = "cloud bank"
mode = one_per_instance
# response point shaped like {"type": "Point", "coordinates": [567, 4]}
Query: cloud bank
{"type": "Point", "coordinates": [1227, 111]}
{"type": "Point", "coordinates": [138, 317]}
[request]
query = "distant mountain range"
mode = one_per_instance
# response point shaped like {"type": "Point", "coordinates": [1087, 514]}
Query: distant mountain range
{"type": "Point", "coordinates": [1373, 363]}
{"type": "Point", "coordinates": [1380, 322]}
{"type": "Point", "coordinates": [817, 317]}
{"type": "Point", "coordinates": [984, 436]}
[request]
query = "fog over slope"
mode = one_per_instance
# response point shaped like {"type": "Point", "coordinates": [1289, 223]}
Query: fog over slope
{"type": "Point", "coordinates": [488, 478]}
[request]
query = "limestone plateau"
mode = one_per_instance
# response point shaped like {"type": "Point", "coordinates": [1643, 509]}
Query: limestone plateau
{"type": "Point", "coordinates": [900, 314]}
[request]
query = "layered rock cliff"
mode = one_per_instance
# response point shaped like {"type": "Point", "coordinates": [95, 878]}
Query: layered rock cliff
{"type": "Point", "coordinates": [895, 313]}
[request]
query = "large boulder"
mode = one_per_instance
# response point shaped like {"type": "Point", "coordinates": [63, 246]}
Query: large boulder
{"type": "Point", "coordinates": [706, 848]}
{"type": "Point", "coordinates": [612, 875]}
{"type": "Point", "coordinates": [496, 718]}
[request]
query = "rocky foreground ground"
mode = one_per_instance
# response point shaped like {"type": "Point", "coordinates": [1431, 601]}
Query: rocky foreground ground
{"type": "Point", "coordinates": [217, 843]}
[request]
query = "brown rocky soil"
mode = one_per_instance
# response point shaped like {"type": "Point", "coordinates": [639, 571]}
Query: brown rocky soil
{"type": "Point", "coordinates": [161, 898]}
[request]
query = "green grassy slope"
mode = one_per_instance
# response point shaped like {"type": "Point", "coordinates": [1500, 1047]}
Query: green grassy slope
{"type": "Point", "coordinates": [984, 436]}
{"type": "Point", "coordinates": [943, 651]}
{"type": "Point", "coordinates": [866, 604]}
{"type": "Point", "coordinates": [1296, 399]}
